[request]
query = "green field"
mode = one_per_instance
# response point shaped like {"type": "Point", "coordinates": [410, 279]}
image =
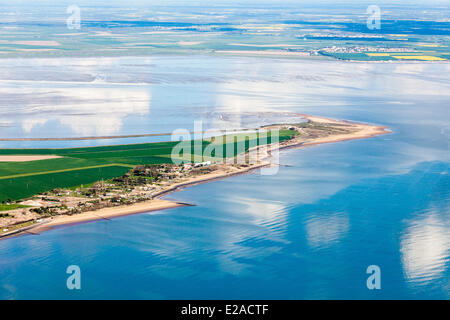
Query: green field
{"type": "Point", "coordinates": [19, 180]}
{"type": "Point", "coordinates": [7, 207]}
{"type": "Point", "coordinates": [23, 187]}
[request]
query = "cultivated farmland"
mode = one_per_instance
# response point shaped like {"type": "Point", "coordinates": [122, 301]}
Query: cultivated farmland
{"type": "Point", "coordinates": [19, 180]}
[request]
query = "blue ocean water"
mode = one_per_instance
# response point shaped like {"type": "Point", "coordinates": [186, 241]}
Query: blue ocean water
{"type": "Point", "coordinates": [308, 232]}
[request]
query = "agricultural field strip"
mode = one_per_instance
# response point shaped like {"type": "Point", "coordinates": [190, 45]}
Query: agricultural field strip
{"type": "Point", "coordinates": [80, 166]}
{"type": "Point", "coordinates": [112, 148]}
{"type": "Point", "coordinates": [103, 158]}
{"type": "Point", "coordinates": [66, 170]}
{"type": "Point", "coordinates": [105, 155]}
{"type": "Point", "coordinates": [108, 149]}
{"type": "Point", "coordinates": [28, 186]}
{"type": "Point", "coordinates": [86, 150]}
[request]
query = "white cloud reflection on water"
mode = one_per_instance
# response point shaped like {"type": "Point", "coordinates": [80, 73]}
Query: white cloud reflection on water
{"type": "Point", "coordinates": [94, 109]}
{"type": "Point", "coordinates": [105, 108]}
{"type": "Point", "coordinates": [324, 229]}
{"type": "Point", "coordinates": [425, 248]}
{"type": "Point", "coordinates": [101, 95]}
{"type": "Point", "coordinates": [265, 220]}
{"type": "Point", "coordinates": [262, 212]}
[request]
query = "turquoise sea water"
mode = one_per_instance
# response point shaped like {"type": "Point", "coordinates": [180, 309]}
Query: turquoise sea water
{"type": "Point", "coordinates": [309, 231]}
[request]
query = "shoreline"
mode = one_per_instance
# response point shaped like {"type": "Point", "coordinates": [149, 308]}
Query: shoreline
{"type": "Point", "coordinates": [106, 214]}
{"type": "Point", "coordinates": [156, 204]}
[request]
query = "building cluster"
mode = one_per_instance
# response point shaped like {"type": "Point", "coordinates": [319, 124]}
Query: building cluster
{"type": "Point", "coordinates": [362, 49]}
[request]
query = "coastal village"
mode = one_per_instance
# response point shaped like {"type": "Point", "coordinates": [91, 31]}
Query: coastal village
{"type": "Point", "coordinates": [145, 184]}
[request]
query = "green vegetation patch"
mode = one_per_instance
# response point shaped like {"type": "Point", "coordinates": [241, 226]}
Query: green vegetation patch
{"type": "Point", "coordinates": [17, 226]}
{"type": "Point", "coordinates": [79, 166]}
{"type": "Point", "coordinates": [23, 187]}
{"type": "Point", "coordinates": [7, 207]}
{"type": "Point", "coordinates": [30, 167]}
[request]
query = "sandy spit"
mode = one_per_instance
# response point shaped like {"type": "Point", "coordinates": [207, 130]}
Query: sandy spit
{"type": "Point", "coordinates": [363, 131]}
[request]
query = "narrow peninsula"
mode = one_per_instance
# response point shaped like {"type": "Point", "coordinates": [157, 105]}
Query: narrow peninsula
{"type": "Point", "coordinates": [44, 188]}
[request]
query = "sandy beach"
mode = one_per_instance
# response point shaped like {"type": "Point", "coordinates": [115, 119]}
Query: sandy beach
{"type": "Point", "coordinates": [107, 213]}
{"type": "Point", "coordinates": [14, 158]}
{"type": "Point", "coordinates": [362, 131]}
{"type": "Point", "coordinates": [359, 131]}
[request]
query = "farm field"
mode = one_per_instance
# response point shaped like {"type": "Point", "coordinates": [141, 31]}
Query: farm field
{"type": "Point", "coordinates": [23, 187]}
{"type": "Point", "coordinates": [19, 180]}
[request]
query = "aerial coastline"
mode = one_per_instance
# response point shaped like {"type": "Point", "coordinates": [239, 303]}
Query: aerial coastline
{"type": "Point", "coordinates": [224, 151]}
{"type": "Point", "coordinates": [153, 202]}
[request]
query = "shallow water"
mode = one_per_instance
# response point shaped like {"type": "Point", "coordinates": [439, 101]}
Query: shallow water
{"type": "Point", "coordinates": [310, 231]}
